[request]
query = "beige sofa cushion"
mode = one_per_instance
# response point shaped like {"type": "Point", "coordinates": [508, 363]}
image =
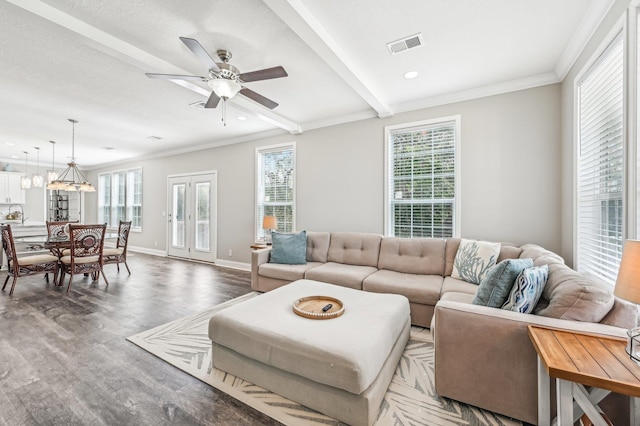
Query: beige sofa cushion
{"type": "Point", "coordinates": [450, 252]}
{"type": "Point", "coordinates": [340, 274]}
{"type": "Point", "coordinates": [354, 248]}
{"type": "Point", "coordinates": [568, 295]}
{"type": "Point", "coordinates": [286, 272]}
{"type": "Point", "coordinates": [317, 246]}
{"type": "Point", "coordinates": [413, 256]}
{"type": "Point", "coordinates": [423, 289]}
{"type": "Point", "coordinates": [455, 285]}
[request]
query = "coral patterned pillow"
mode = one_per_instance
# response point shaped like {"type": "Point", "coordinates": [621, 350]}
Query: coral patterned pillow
{"type": "Point", "coordinates": [474, 259]}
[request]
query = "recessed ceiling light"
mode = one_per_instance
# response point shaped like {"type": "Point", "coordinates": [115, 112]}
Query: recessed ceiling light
{"type": "Point", "coordinates": [242, 118]}
{"type": "Point", "coordinates": [154, 138]}
{"type": "Point", "coordinates": [410, 74]}
{"type": "Point", "coordinates": [108, 148]}
{"type": "Point", "coordinates": [14, 156]}
{"type": "Point", "coordinates": [9, 143]}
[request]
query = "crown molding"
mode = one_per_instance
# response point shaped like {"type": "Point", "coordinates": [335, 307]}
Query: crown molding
{"type": "Point", "coordinates": [588, 26]}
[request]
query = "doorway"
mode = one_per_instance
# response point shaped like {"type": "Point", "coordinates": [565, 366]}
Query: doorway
{"type": "Point", "coordinates": [192, 219]}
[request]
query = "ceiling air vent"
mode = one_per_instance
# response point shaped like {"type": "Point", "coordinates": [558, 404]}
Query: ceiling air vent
{"type": "Point", "coordinates": [404, 44]}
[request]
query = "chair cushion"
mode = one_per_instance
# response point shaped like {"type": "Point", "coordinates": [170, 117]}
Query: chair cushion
{"type": "Point", "coordinates": [340, 274]}
{"type": "Point", "coordinates": [107, 251]}
{"type": "Point", "coordinates": [34, 260]}
{"type": "Point", "coordinates": [88, 259]}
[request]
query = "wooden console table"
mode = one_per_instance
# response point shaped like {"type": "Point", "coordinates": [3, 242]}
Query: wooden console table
{"type": "Point", "coordinates": [577, 360]}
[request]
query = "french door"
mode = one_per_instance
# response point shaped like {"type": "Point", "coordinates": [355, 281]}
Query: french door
{"type": "Point", "coordinates": [192, 216]}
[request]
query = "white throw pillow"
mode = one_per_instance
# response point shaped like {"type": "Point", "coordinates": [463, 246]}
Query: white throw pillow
{"type": "Point", "coordinates": [474, 259]}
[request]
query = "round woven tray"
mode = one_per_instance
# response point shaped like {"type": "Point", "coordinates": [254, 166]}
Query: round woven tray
{"type": "Point", "coordinates": [311, 307]}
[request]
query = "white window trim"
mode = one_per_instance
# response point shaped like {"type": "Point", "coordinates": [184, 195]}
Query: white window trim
{"type": "Point", "coordinates": [111, 173]}
{"type": "Point", "coordinates": [622, 26]}
{"type": "Point", "coordinates": [258, 151]}
{"type": "Point", "coordinates": [387, 169]}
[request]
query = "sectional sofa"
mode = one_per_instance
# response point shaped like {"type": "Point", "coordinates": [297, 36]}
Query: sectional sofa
{"type": "Point", "coordinates": [483, 355]}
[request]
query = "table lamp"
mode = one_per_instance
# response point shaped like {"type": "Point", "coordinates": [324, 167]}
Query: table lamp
{"type": "Point", "coordinates": [628, 288]}
{"type": "Point", "coordinates": [269, 223]}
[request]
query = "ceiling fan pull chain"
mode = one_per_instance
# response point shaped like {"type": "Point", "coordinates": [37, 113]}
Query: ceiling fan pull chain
{"type": "Point", "coordinates": [224, 112]}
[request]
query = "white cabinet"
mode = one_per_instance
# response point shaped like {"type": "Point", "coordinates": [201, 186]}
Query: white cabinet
{"type": "Point", "coordinates": [10, 191]}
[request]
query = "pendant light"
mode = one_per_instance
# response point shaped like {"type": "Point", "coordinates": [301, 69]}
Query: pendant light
{"type": "Point", "coordinates": [25, 182]}
{"type": "Point", "coordinates": [72, 179]}
{"type": "Point", "coordinates": [37, 180]}
{"type": "Point", "coordinates": [52, 174]}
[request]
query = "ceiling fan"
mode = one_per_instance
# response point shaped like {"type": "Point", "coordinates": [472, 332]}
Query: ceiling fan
{"type": "Point", "coordinates": [224, 79]}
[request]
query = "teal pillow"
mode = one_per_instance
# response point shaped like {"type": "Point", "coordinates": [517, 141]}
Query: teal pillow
{"type": "Point", "coordinates": [527, 290]}
{"type": "Point", "coordinates": [496, 285]}
{"type": "Point", "coordinates": [289, 249]}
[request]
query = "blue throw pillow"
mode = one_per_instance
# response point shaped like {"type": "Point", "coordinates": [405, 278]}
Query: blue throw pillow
{"type": "Point", "coordinates": [527, 290]}
{"type": "Point", "coordinates": [289, 249]}
{"type": "Point", "coordinates": [494, 288]}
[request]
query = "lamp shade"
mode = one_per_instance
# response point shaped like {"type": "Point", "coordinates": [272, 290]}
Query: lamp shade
{"type": "Point", "coordinates": [225, 88]}
{"type": "Point", "coordinates": [628, 281]}
{"type": "Point", "coordinates": [269, 222]}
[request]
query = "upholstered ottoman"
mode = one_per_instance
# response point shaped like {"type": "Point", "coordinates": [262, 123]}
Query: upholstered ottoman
{"type": "Point", "coordinates": [341, 367]}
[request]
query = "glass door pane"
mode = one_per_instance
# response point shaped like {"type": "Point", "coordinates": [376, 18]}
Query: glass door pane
{"type": "Point", "coordinates": [203, 218]}
{"type": "Point", "coordinates": [178, 235]}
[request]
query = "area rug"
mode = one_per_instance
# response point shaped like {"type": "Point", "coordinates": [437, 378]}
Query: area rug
{"type": "Point", "coordinates": [410, 399]}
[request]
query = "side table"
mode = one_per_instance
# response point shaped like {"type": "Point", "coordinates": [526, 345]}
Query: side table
{"type": "Point", "coordinates": [577, 360]}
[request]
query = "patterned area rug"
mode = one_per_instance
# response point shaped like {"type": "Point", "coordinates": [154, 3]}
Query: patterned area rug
{"type": "Point", "coordinates": [410, 399]}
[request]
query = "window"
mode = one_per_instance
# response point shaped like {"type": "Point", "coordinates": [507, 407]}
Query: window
{"type": "Point", "coordinates": [275, 187]}
{"type": "Point", "coordinates": [422, 179]}
{"type": "Point", "coordinates": [600, 165]}
{"type": "Point", "coordinates": [120, 198]}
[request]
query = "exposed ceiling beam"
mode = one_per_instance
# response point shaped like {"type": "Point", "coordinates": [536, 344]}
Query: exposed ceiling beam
{"type": "Point", "coordinates": [143, 59]}
{"type": "Point", "coordinates": [303, 23]}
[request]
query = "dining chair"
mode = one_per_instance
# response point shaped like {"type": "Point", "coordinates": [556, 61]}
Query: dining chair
{"type": "Point", "coordinates": [26, 265]}
{"type": "Point", "coordinates": [118, 254]}
{"type": "Point", "coordinates": [59, 229]}
{"type": "Point", "coordinates": [86, 253]}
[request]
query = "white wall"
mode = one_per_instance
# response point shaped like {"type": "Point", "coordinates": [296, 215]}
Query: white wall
{"type": "Point", "coordinates": [608, 24]}
{"type": "Point", "coordinates": [510, 160]}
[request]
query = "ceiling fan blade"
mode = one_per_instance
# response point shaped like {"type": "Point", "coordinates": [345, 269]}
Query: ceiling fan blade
{"type": "Point", "coordinates": [258, 98]}
{"type": "Point", "coordinates": [199, 51]}
{"type": "Point", "coordinates": [265, 74]}
{"type": "Point", "coordinates": [176, 77]}
{"type": "Point", "coordinates": [213, 101]}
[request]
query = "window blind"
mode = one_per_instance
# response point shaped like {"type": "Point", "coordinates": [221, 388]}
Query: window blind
{"type": "Point", "coordinates": [276, 187]}
{"type": "Point", "coordinates": [421, 185]}
{"type": "Point", "coordinates": [600, 186]}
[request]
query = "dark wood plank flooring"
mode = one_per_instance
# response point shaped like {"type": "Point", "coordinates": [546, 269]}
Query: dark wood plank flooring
{"type": "Point", "coordinates": [64, 359]}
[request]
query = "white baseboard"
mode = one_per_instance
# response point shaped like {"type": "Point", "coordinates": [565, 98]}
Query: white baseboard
{"type": "Point", "coordinates": [145, 250]}
{"type": "Point", "coordinates": [233, 265]}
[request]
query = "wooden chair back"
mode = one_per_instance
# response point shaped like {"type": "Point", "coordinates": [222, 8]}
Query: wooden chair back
{"type": "Point", "coordinates": [57, 229]}
{"type": "Point", "coordinates": [87, 240]}
{"type": "Point", "coordinates": [9, 247]}
{"type": "Point", "coordinates": [123, 235]}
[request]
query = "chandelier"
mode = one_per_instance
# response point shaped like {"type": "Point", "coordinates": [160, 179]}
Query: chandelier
{"type": "Point", "coordinates": [72, 179]}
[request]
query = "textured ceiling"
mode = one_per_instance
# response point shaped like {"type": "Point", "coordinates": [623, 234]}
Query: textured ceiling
{"type": "Point", "coordinates": [86, 60]}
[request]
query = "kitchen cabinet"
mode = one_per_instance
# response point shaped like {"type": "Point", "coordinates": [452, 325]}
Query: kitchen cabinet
{"type": "Point", "coordinates": [10, 191]}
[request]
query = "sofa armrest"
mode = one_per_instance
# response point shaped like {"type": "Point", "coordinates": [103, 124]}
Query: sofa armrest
{"type": "Point", "coordinates": [484, 357]}
{"type": "Point", "coordinates": [258, 257]}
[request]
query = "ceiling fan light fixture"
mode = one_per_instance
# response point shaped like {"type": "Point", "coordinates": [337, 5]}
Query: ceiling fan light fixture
{"type": "Point", "coordinates": [225, 88]}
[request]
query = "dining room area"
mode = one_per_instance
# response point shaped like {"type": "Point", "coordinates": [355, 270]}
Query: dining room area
{"type": "Point", "coordinates": [67, 248]}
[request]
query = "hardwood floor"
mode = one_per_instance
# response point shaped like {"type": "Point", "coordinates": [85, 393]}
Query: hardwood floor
{"type": "Point", "coordinates": [64, 359]}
